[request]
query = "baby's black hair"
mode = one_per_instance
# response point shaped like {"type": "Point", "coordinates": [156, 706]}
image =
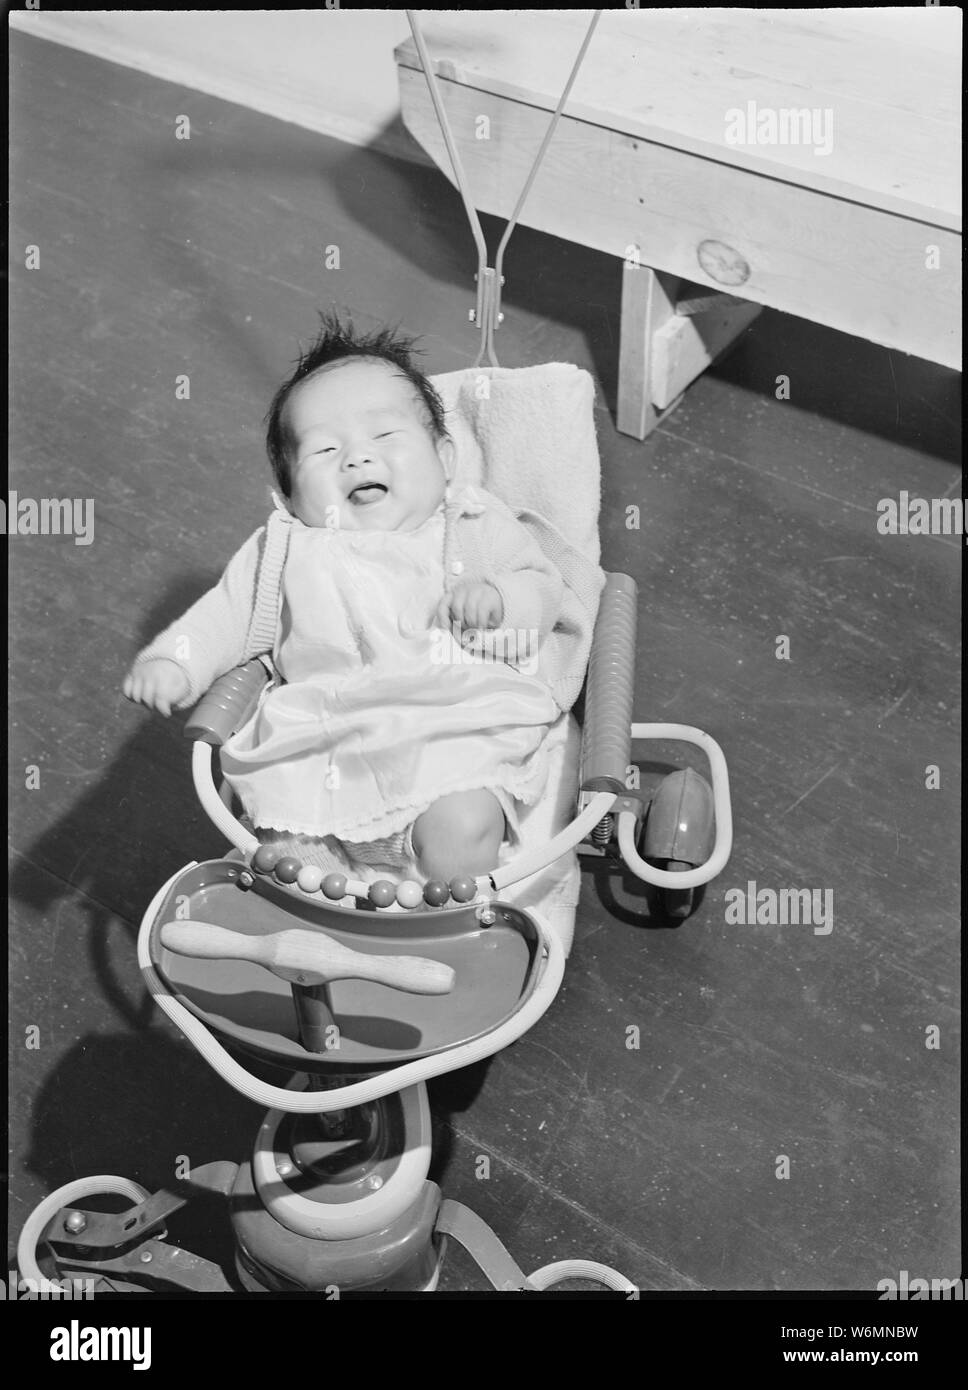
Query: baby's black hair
{"type": "Point", "coordinates": [335, 342]}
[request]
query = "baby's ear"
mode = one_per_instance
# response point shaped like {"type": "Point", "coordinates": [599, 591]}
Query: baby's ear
{"type": "Point", "coordinates": [447, 453]}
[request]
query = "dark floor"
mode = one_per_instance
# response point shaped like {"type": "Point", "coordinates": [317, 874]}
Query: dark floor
{"type": "Point", "coordinates": [160, 257]}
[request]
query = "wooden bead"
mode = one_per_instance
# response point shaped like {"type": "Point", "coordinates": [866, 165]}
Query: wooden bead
{"type": "Point", "coordinates": [435, 893]}
{"type": "Point", "coordinates": [310, 878]}
{"type": "Point", "coordinates": [382, 893]}
{"type": "Point", "coordinates": [409, 893]}
{"type": "Point", "coordinates": [334, 886]}
{"type": "Point", "coordinates": [265, 859]}
{"type": "Point", "coordinates": [462, 890]}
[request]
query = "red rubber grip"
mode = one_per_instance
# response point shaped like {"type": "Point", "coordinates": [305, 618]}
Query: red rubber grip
{"type": "Point", "coordinates": [228, 704]}
{"type": "Point", "coordinates": [606, 748]}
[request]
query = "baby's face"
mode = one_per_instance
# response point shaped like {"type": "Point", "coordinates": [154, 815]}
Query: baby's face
{"type": "Point", "coordinates": [362, 457]}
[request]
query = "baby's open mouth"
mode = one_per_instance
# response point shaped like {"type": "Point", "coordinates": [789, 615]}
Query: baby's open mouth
{"type": "Point", "coordinates": [368, 493]}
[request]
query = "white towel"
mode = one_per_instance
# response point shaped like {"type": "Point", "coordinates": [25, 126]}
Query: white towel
{"type": "Point", "coordinates": [527, 434]}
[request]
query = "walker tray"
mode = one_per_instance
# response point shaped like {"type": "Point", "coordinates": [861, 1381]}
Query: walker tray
{"type": "Point", "coordinates": [246, 1006]}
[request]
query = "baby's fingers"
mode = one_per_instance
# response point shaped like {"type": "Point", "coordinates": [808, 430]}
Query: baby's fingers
{"type": "Point", "coordinates": [458, 607]}
{"type": "Point", "coordinates": [484, 613]}
{"type": "Point", "coordinates": [442, 615]}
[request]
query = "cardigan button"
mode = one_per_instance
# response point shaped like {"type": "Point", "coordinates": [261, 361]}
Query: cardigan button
{"type": "Point", "coordinates": [457, 567]}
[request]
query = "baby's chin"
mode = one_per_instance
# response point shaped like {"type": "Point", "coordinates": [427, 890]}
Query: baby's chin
{"type": "Point", "coordinates": [387, 515]}
{"type": "Point", "coordinates": [384, 519]}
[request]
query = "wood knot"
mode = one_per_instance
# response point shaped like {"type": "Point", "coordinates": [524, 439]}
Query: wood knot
{"type": "Point", "coordinates": [722, 264]}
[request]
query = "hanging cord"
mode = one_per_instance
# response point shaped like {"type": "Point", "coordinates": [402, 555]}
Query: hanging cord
{"type": "Point", "coordinates": [488, 314]}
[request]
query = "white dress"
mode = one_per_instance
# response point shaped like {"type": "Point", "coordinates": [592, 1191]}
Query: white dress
{"type": "Point", "coordinates": [382, 711]}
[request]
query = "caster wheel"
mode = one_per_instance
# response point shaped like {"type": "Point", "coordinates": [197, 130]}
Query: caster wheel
{"type": "Point", "coordinates": [678, 903]}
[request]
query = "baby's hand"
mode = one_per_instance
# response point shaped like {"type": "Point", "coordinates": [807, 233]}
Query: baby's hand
{"type": "Point", "coordinates": [158, 684]}
{"type": "Point", "coordinates": [471, 605]}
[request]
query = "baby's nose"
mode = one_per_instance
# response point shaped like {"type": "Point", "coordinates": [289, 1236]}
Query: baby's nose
{"type": "Point", "coordinates": [355, 457]}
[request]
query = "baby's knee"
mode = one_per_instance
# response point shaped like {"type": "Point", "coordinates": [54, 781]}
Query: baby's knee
{"type": "Point", "coordinates": [463, 830]}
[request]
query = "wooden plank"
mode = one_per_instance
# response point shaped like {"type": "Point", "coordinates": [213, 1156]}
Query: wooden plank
{"type": "Point", "coordinates": [826, 259]}
{"type": "Point", "coordinates": [686, 346]}
{"type": "Point", "coordinates": [648, 304]}
{"type": "Point", "coordinates": [671, 77]}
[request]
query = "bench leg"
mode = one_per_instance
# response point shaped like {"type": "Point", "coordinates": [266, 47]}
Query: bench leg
{"type": "Point", "coordinates": [648, 303]}
{"type": "Point", "coordinates": [671, 331]}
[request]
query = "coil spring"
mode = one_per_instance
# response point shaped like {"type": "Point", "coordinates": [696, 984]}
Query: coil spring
{"type": "Point", "coordinates": [602, 832]}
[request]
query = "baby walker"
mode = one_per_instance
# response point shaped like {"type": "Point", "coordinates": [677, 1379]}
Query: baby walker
{"type": "Point", "coordinates": [360, 998]}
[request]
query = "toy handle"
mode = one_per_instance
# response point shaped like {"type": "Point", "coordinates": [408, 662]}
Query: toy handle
{"type": "Point", "coordinates": [228, 704]}
{"type": "Point", "coordinates": [307, 957]}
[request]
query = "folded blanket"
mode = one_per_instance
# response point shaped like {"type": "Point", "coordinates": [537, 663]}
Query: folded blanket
{"type": "Point", "coordinates": [527, 434]}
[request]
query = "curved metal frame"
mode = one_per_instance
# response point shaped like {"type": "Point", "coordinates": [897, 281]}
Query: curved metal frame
{"type": "Point", "coordinates": [489, 279]}
{"type": "Point", "coordinates": [531, 862]}
{"type": "Point", "coordinates": [683, 733]}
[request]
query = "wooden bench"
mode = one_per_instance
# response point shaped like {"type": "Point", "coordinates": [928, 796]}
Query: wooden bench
{"type": "Point", "coordinates": [805, 160]}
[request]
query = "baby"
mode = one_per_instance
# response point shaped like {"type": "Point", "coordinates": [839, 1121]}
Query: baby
{"type": "Point", "coordinates": [385, 740]}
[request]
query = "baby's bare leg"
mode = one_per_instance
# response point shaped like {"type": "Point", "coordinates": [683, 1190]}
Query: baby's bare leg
{"type": "Point", "coordinates": [459, 834]}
